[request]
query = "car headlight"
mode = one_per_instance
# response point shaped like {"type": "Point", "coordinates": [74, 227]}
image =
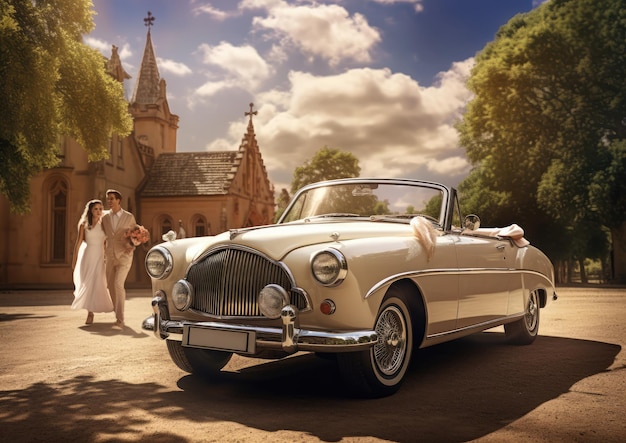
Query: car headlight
{"type": "Point", "coordinates": [182, 295]}
{"type": "Point", "coordinates": [159, 262]}
{"type": "Point", "coordinates": [329, 267]}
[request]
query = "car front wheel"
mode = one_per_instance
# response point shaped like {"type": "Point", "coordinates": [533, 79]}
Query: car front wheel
{"type": "Point", "coordinates": [525, 330]}
{"type": "Point", "coordinates": [379, 371]}
{"type": "Point", "coordinates": [203, 362]}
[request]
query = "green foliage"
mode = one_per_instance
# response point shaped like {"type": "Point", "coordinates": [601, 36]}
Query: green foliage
{"type": "Point", "coordinates": [608, 184]}
{"type": "Point", "coordinates": [543, 128]}
{"type": "Point", "coordinates": [52, 85]}
{"type": "Point", "coordinates": [281, 203]}
{"type": "Point", "coordinates": [433, 207]}
{"type": "Point", "coordinates": [327, 164]}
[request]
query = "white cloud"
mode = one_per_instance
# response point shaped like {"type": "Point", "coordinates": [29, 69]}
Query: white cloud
{"type": "Point", "coordinates": [125, 52]}
{"type": "Point", "coordinates": [172, 67]}
{"type": "Point", "coordinates": [388, 121]}
{"type": "Point", "coordinates": [325, 31]}
{"type": "Point", "coordinates": [212, 12]}
{"type": "Point", "coordinates": [105, 47]}
{"type": "Point", "coordinates": [243, 64]}
{"type": "Point", "coordinates": [98, 44]}
{"type": "Point", "coordinates": [211, 88]}
{"type": "Point", "coordinates": [449, 166]}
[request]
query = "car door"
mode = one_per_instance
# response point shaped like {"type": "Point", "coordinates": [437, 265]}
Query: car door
{"type": "Point", "coordinates": [485, 278]}
{"type": "Point", "coordinates": [439, 283]}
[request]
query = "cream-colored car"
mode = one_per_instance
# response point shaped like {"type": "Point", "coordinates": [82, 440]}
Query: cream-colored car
{"type": "Point", "coordinates": [363, 270]}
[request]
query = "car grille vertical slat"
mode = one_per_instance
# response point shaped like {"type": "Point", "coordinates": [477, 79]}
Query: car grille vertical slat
{"type": "Point", "coordinates": [228, 281]}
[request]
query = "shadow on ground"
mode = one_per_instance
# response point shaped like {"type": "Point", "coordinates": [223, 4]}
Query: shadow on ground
{"type": "Point", "coordinates": [457, 391]}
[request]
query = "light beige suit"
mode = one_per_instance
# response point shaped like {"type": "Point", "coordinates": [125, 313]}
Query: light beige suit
{"type": "Point", "coordinates": [119, 258]}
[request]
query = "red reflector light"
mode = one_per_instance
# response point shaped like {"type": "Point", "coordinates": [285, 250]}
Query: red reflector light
{"type": "Point", "coordinates": [327, 307]}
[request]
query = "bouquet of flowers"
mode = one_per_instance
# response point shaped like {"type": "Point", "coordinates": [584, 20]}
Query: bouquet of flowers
{"type": "Point", "coordinates": [137, 235]}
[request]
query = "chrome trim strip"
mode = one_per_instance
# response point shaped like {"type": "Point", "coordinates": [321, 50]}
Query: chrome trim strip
{"type": "Point", "coordinates": [478, 326]}
{"type": "Point", "coordinates": [415, 274]}
{"type": "Point", "coordinates": [288, 338]}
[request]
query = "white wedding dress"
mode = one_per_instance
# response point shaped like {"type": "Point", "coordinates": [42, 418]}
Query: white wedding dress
{"type": "Point", "coordinates": [90, 283]}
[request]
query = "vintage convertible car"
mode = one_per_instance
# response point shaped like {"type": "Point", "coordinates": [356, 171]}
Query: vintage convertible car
{"type": "Point", "coordinates": [361, 270]}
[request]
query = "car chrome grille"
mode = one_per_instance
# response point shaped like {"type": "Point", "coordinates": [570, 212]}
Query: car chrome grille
{"type": "Point", "coordinates": [227, 282]}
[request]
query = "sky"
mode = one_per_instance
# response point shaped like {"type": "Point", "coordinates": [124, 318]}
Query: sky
{"type": "Point", "coordinates": [381, 79]}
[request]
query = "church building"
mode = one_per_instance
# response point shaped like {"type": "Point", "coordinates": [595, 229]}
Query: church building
{"type": "Point", "coordinates": [191, 193]}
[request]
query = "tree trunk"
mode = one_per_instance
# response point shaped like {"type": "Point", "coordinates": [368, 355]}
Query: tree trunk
{"type": "Point", "coordinates": [570, 270]}
{"type": "Point", "coordinates": [583, 272]}
{"type": "Point", "coordinates": [618, 238]}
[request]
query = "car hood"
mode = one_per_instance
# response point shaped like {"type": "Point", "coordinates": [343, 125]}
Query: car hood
{"type": "Point", "coordinates": [277, 240]}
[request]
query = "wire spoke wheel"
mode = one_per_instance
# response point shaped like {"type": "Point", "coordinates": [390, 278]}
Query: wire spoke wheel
{"type": "Point", "coordinates": [390, 350]}
{"type": "Point", "coordinates": [525, 330]}
{"type": "Point", "coordinates": [532, 312]}
{"type": "Point", "coordinates": [379, 371]}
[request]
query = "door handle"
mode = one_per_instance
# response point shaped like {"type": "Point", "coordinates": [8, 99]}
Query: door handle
{"type": "Point", "coordinates": [500, 247]}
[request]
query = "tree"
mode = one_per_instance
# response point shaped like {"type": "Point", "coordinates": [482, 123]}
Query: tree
{"type": "Point", "coordinates": [327, 164]}
{"type": "Point", "coordinates": [281, 203]}
{"type": "Point", "coordinates": [546, 124]}
{"type": "Point", "coordinates": [51, 85]}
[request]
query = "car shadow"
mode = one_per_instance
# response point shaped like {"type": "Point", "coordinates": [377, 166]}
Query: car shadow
{"type": "Point", "coordinates": [456, 391]}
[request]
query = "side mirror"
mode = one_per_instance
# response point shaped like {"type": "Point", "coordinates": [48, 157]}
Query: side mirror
{"type": "Point", "coordinates": [471, 222]}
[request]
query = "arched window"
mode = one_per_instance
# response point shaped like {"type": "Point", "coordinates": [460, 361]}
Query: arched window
{"type": "Point", "coordinates": [199, 225]}
{"type": "Point", "coordinates": [166, 224]}
{"type": "Point", "coordinates": [57, 221]}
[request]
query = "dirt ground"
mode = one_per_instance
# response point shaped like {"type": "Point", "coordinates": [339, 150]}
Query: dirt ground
{"type": "Point", "coordinates": [63, 381]}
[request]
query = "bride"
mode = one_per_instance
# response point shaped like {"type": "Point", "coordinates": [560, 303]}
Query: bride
{"type": "Point", "coordinates": [90, 285]}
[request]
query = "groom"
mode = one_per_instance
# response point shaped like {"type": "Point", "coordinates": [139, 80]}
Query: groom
{"type": "Point", "coordinates": [119, 251]}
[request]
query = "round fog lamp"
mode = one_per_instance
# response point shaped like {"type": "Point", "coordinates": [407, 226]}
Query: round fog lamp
{"type": "Point", "coordinates": [182, 294]}
{"type": "Point", "coordinates": [272, 299]}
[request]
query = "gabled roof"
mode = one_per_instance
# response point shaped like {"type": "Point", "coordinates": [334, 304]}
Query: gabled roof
{"type": "Point", "coordinates": [191, 174]}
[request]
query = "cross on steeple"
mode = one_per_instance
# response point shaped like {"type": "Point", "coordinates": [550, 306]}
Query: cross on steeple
{"type": "Point", "coordinates": [251, 113]}
{"type": "Point", "coordinates": [149, 20]}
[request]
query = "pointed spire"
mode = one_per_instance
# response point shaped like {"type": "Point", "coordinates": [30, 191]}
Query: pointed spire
{"type": "Point", "coordinates": [147, 89]}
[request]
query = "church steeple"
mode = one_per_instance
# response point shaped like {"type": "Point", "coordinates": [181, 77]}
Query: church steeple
{"type": "Point", "coordinates": [148, 85]}
{"type": "Point", "coordinates": [155, 125]}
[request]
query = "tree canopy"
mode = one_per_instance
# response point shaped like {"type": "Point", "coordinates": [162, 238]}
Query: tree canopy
{"type": "Point", "coordinates": [546, 127]}
{"type": "Point", "coordinates": [51, 85]}
{"type": "Point", "coordinates": [326, 164]}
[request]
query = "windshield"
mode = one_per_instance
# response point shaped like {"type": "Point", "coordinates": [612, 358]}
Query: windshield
{"type": "Point", "coordinates": [393, 200]}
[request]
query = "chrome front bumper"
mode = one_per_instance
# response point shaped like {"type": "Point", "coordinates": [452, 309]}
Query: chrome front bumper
{"type": "Point", "coordinates": [288, 338]}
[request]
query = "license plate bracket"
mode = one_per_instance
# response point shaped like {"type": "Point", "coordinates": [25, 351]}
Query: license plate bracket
{"type": "Point", "coordinates": [208, 337]}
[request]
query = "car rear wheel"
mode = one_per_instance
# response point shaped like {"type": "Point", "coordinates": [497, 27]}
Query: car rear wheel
{"type": "Point", "coordinates": [203, 362]}
{"type": "Point", "coordinates": [525, 330]}
{"type": "Point", "coordinates": [379, 371]}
